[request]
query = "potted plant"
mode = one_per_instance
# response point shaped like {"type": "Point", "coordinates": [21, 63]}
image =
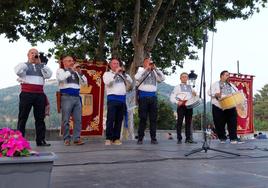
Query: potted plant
{"type": "Point", "coordinates": [19, 165]}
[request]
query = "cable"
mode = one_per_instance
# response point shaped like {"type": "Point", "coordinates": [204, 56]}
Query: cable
{"type": "Point", "coordinates": [150, 160]}
{"type": "Point", "coordinates": [254, 148]}
{"type": "Point", "coordinates": [216, 157]}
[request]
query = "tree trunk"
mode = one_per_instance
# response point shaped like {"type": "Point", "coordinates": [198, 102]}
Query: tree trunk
{"type": "Point", "coordinates": [116, 40]}
{"type": "Point", "coordinates": [138, 59]}
{"type": "Point", "coordinates": [139, 39]}
{"type": "Point", "coordinates": [99, 50]}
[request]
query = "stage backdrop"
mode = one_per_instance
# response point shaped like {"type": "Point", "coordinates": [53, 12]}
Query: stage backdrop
{"type": "Point", "coordinates": [245, 111]}
{"type": "Point", "coordinates": [92, 97]}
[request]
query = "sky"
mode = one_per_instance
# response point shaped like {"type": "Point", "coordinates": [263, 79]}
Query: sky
{"type": "Point", "coordinates": [235, 40]}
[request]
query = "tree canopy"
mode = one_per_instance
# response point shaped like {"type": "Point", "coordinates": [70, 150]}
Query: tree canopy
{"type": "Point", "coordinates": [168, 30]}
{"type": "Point", "coordinates": [261, 104]}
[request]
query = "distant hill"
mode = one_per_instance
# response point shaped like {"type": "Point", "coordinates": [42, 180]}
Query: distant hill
{"type": "Point", "coordinates": [9, 105]}
{"type": "Point", "coordinates": [9, 102]}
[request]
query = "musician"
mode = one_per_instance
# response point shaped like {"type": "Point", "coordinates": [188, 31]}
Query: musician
{"type": "Point", "coordinates": [146, 79]}
{"type": "Point", "coordinates": [70, 78]}
{"type": "Point", "coordinates": [116, 81]}
{"type": "Point", "coordinates": [32, 75]}
{"type": "Point", "coordinates": [218, 90]}
{"type": "Point", "coordinates": [180, 95]}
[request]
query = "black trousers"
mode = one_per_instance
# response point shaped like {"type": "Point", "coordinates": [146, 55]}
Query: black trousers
{"type": "Point", "coordinates": [38, 102]}
{"type": "Point", "coordinates": [115, 114]}
{"type": "Point", "coordinates": [147, 107]}
{"type": "Point", "coordinates": [182, 113]}
{"type": "Point", "coordinates": [223, 117]}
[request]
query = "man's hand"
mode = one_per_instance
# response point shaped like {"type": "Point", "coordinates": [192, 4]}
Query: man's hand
{"type": "Point", "coordinates": [182, 102]}
{"type": "Point", "coordinates": [77, 68]}
{"type": "Point", "coordinates": [217, 96]}
{"type": "Point", "coordinates": [118, 70]}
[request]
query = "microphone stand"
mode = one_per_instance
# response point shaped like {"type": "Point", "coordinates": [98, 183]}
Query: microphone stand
{"type": "Point", "coordinates": [205, 147]}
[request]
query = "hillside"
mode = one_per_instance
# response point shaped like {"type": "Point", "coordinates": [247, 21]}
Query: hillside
{"type": "Point", "coordinates": [9, 102]}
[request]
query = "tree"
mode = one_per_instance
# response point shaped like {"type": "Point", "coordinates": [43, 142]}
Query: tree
{"type": "Point", "coordinates": [261, 109]}
{"type": "Point", "coordinates": [169, 30]}
{"type": "Point", "coordinates": [165, 116]}
{"type": "Point", "coordinates": [197, 120]}
{"type": "Point", "coordinates": [166, 119]}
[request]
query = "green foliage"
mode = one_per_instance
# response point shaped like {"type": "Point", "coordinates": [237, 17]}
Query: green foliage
{"type": "Point", "coordinates": [261, 109]}
{"type": "Point", "coordinates": [85, 28]}
{"type": "Point", "coordinates": [198, 120]}
{"type": "Point", "coordinates": [165, 116]}
{"type": "Point", "coordinates": [9, 100]}
{"type": "Point", "coordinates": [260, 125]}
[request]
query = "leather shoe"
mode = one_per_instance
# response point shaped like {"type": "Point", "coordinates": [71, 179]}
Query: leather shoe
{"type": "Point", "coordinates": [43, 143]}
{"type": "Point", "coordinates": [79, 142]}
{"type": "Point", "coordinates": [154, 142]}
{"type": "Point", "coordinates": [190, 142]}
{"type": "Point", "coordinates": [139, 142]}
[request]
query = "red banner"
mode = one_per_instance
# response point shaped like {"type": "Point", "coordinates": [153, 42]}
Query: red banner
{"type": "Point", "coordinates": [92, 97]}
{"type": "Point", "coordinates": [244, 83]}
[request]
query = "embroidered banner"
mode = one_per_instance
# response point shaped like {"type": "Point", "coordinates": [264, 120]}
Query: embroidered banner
{"type": "Point", "coordinates": [245, 121]}
{"type": "Point", "coordinates": [92, 97]}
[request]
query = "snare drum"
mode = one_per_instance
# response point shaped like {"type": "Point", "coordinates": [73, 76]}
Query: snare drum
{"type": "Point", "coordinates": [232, 101]}
{"type": "Point", "coordinates": [193, 102]}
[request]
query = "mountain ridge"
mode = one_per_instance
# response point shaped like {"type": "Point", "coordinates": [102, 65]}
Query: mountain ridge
{"type": "Point", "coordinates": [9, 104]}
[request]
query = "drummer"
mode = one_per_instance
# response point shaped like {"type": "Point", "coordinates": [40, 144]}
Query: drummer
{"type": "Point", "coordinates": [219, 90]}
{"type": "Point", "coordinates": [179, 96]}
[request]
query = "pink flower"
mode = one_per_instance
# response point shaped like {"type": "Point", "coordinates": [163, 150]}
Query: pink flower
{"type": "Point", "coordinates": [12, 143]}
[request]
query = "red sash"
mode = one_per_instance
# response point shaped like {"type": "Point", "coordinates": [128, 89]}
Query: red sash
{"type": "Point", "coordinates": [32, 88]}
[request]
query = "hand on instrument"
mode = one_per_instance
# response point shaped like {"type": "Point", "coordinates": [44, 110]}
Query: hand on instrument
{"type": "Point", "coordinates": [217, 96]}
{"type": "Point", "coordinates": [194, 93]}
{"type": "Point", "coordinates": [118, 70]}
{"type": "Point", "coordinates": [181, 102]}
{"type": "Point", "coordinates": [148, 68]}
{"type": "Point", "coordinates": [153, 66]}
{"type": "Point", "coordinates": [77, 68]}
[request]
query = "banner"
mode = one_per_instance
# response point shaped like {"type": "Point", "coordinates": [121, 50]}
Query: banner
{"type": "Point", "coordinates": [244, 83]}
{"type": "Point", "coordinates": [92, 98]}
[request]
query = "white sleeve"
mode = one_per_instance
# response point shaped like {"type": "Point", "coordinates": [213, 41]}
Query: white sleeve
{"type": "Point", "coordinates": [46, 72]}
{"type": "Point", "coordinates": [21, 69]}
{"type": "Point", "coordinates": [173, 95]}
{"type": "Point", "coordinates": [160, 77]}
{"type": "Point", "coordinates": [129, 79]}
{"type": "Point", "coordinates": [62, 75]}
{"type": "Point", "coordinates": [108, 78]}
{"type": "Point", "coordinates": [140, 75]}
{"type": "Point", "coordinates": [214, 88]}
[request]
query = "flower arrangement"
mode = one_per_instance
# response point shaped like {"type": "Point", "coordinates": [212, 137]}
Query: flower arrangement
{"type": "Point", "coordinates": [13, 144]}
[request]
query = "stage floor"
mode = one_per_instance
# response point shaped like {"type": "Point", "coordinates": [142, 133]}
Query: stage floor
{"type": "Point", "coordinates": [163, 165]}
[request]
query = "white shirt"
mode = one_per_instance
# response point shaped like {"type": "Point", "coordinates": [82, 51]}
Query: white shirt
{"type": "Point", "coordinates": [221, 87]}
{"type": "Point", "coordinates": [181, 92]}
{"type": "Point", "coordinates": [32, 73]}
{"type": "Point", "coordinates": [150, 83]}
{"type": "Point", "coordinates": [63, 75]}
{"type": "Point", "coordinates": [115, 83]}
